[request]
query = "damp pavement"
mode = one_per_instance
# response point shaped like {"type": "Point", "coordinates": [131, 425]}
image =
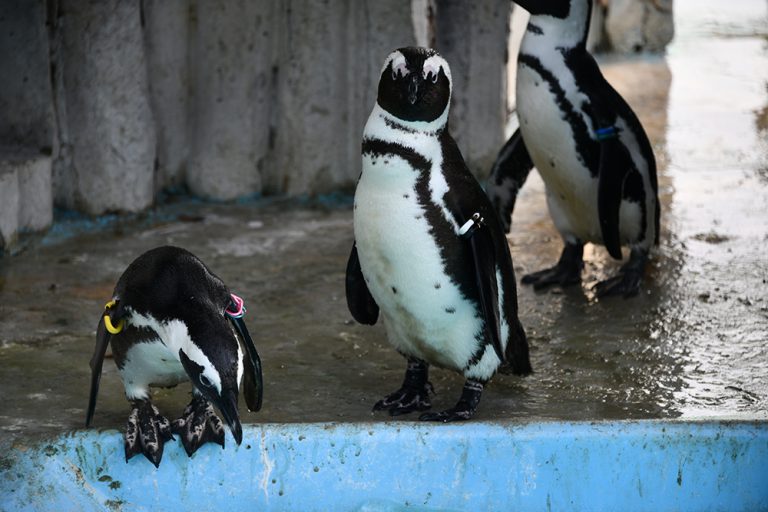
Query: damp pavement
{"type": "Point", "coordinates": [691, 345]}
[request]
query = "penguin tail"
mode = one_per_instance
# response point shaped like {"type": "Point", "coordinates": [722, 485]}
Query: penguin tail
{"type": "Point", "coordinates": [518, 361]}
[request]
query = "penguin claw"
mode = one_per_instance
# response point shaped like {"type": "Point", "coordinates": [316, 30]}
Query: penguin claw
{"type": "Point", "coordinates": [449, 415]}
{"type": "Point", "coordinates": [406, 399]}
{"type": "Point", "coordinates": [198, 425]}
{"type": "Point", "coordinates": [567, 271]}
{"type": "Point", "coordinates": [627, 285]}
{"type": "Point", "coordinates": [464, 409]}
{"type": "Point", "coordinates": [146, 432]}
{"type": "Point", "coordinates": [551, 276]}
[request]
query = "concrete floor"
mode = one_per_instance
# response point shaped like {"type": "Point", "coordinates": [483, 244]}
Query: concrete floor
{"type": "Point", "coordinates": [693, 344]}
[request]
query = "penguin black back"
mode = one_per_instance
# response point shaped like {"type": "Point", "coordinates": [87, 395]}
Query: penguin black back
{"type": "Point", "coordinates": [171, 319]}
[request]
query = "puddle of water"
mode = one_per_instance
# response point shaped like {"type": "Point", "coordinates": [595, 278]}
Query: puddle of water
{"type": "Point", "coordinates": [692, 344]}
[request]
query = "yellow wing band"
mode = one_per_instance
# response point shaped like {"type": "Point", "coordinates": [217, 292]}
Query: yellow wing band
{"type": "Point", "coordinates": [108, 321]}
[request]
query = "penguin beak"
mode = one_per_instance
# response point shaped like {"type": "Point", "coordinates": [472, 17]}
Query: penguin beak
{"type": "Point", "coordinates": [413, 88]}
{"type": "Point", "coordinates": [228, 407]}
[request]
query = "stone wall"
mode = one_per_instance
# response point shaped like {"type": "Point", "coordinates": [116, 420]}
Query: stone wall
{"type": "Point", "coordinates": [27, 128]}
{"type": "Point", "coordinates": [473, 36]}
{"type": "Point", "coordinates": [631, 26]}
{"type": "Point", "coordinates": [107, 103]}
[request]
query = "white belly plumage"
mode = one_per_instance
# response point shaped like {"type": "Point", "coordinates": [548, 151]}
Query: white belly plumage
{"type": "Point", "coordinates": [150, 363]}
{"type": "Point", "coordinates": [571, 189]}
{"type": "Point", "coordinates": [425, 314]}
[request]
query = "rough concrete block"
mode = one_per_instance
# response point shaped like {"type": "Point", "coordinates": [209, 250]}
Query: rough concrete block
{"type": "Point", "coordinates": [375, 29]}
{"type": "Point", "coordinates": [329, 60]}
{"type": "Point", "coordinates": [26, 105]}
{"type": "Point", "coordinates": [472, 36]}
{"type": "Point", "coordinates": [311, 93]}
{"type": "Point", "coordinates": [9, 205]}
{"type": "Point", "coordinates": [231, 103]}
{"type": "Point", "coordinates": [26, 200]}
{"type": "Point", "coordinates": [108, 142]}
{"type": "Point", "coordinates": [659, 25]}
{"type": "Point", "coordinates": [639, 25]}
{"type": "Point", "coordinates": [35, 193]}
{"type": "Point", "coordinates": [166, 34]}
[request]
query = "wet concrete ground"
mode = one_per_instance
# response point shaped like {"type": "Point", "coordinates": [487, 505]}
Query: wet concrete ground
{"type": "Point", "coordinates": [693, 344]}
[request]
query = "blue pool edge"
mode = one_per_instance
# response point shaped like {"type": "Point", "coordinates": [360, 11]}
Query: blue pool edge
{"type": "Point", "coordinates": [616, 465]}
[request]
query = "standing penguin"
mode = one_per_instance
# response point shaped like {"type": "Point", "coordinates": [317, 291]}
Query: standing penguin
{"type": "Point", "coordinates": [429, 252]}
{"type": "Point", "coordinates": [170, 319]}
{"type": "Point", "coordinates": [588, 145]}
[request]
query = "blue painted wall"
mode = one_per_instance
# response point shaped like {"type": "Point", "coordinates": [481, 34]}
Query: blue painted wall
{"type": "Point", "coordinates": [407, 466]}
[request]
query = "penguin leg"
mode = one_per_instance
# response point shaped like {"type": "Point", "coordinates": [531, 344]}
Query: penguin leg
{"type": "Point", "coordinates": [627, 283]}
{"type": "Point", "coordinates": [413, 395]}
{"type": "Point", "coordinates": [199, 425]}
{"type": "Point", "coordinates": [566, 272]}
{"type": "Point", "coordinates": [146, 432]}
{"type": "Point", "coordinates": [464, 409]}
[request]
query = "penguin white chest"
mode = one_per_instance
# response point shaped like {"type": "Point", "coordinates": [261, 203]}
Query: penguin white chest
{"type": "Point", "coordinates": [150, 363]}
{"type": "Point", "coordinates": [549, 138]}
{"type": "Point", "coordinates": [424, 311]}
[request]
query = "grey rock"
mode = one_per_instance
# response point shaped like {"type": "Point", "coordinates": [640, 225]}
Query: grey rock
{"type": "Point", "coordinates": [472, 36]}
{"type": "Point", "coordinates": [166, 33]}
{"type": "Point", "coordinates": [35, 192]}
{"type": "Point", "coordinates": [330, 57]}
{"type": "Point", "coordinates": [108, 134]}
{"type": "Point", "coordinates": [26, 105]}
{"type": "Point", "coordinates": [9, 206]}
{"type": "Point", "coordinates": [639, 25]}
{"type": "Point", "coordinates": [230, 104]}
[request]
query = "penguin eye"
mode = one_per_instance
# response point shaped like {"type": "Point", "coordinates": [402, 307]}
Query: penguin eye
{"type": "Point", "coordinates": [399, 70]}
{"type": "Point", "coordinates": [205, 381]}
{"type": "Point", "coordinates": [431, 72]}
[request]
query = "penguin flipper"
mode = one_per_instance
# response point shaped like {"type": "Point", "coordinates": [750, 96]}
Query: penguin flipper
{"type": "Point", "coordinates": [253, 382]}
{"type": "Point", "coordinates": [508, 174]}
{"type": "Point", "coordinates": [483, 252]}
{"type": "Point", "coordinates": [97, 361]}
{"type": "Point", "coordinates": [359, 299]}
{"type": "Point", "coordinates": [615, 165]}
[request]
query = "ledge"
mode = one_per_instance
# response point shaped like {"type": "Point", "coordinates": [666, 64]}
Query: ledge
{"type": "Point", "coordinates": [643, 465]}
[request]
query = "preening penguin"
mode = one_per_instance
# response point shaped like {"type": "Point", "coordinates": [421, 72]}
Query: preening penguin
{"type": "Point", "coordinates": [170, 320]}
{"type": "Point", "coordinates": [589, 147]}
{"type": "Point", "coordinates": [429, 253]}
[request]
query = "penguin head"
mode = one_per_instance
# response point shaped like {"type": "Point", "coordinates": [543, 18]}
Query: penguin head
{"type": "Point", "coordinates": [213, 360]}
{"type": "Point", "coordinates": [554, 8]}
{"type": "Point", "coordinates": [415, 86]}
{"type": "Point", "coordinates": [566, 22]}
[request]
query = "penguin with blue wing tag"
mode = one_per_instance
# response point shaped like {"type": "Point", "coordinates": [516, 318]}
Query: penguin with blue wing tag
{"type": "Point", "coordinates": [170, 320]}
{"type": "Point", "coordinates": [588, 145]}
{"type": "Point", "coordinates": [430, 257]}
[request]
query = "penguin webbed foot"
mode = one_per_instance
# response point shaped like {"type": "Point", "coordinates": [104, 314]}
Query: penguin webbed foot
{"type": "Point", "coordinates": [147, 432]}
{"type": "Point", "coordinates": [413, 395]}
{"type": "Point", "coordinates": [464, 409]}
{"type": "Point", "coordinates": [198, 425]}
{"type": "Point", "coordinates": [627, 282]}
{"type": "Point", "coordinates": [566, 272]}
{"type": "Point", "coordinates": [406, 399]}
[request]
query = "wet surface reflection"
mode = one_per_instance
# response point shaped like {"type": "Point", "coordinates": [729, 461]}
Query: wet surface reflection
{"type": "Point", "coordinates": [693, 344]}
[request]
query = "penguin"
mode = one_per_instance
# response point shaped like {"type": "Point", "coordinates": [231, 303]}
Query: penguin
{"type": "Point", "coordinates": [429, 254]}
{"type": "Point", "coordinates": [592, 152]}
{"type": "Point", "coordinates": [171, 320]}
